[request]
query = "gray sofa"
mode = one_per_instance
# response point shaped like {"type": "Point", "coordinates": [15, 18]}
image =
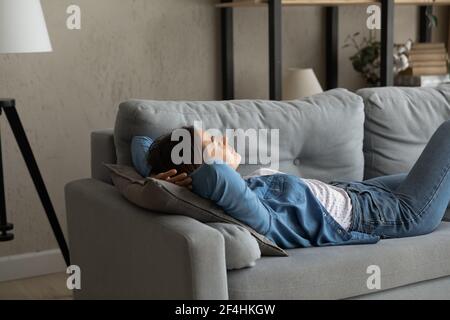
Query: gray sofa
{"type": "Point", "coordinates": [126, 252]}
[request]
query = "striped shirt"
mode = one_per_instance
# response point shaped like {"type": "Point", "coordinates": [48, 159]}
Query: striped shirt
{"type": "Point", "coordinates": [334, 199]}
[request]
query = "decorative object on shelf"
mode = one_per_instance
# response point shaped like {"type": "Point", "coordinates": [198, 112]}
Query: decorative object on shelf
{"type": "Point", "coordinates": [366, 60]}
{"type": "Point", "coordinates": [300, 83]}
{"type": "Point", "coordinates": [427, 66]}
{"type": "Point", "coordinates": [401, 61]}
{"type": "Point", "coordinates": [23, 29]}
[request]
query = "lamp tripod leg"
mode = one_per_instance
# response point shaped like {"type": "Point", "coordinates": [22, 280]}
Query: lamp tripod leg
{"type": "Point", "coordinates": [5, 227]}
{"type": "Point", "coordinates": [27, 153]}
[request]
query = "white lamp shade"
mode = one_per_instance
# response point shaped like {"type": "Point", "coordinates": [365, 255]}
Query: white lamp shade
{"type": "Point", "coordinates": [300, 83]}
{"type": "Point", "coordinates": [22, 27]}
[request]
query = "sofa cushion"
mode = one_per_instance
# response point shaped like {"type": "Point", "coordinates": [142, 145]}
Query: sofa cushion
{"type": "Point", "coordinates": [305, 148]}
{"type": "Point", "coordinates": [165, 197]}
{"type": "Point", "coordinates": [241, 248]}
{"type": "Point", "coordinates": [342, 272]}
{"type": "Point", "coordinates": [399, 123]}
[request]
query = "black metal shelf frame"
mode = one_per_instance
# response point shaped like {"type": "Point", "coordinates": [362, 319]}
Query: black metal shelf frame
{"type": "Point", "coordinates": [332, 43]}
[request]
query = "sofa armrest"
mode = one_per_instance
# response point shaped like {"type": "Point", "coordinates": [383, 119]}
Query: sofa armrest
{"type": "Point", "coordinates": [125, 252]}
{"type": "Point", "coordinates": [103, 150]}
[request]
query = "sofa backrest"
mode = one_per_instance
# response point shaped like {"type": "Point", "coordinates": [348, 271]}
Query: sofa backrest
{"type": "Point", "coordinates": [399, 123]}
{"type": "Point", "coordinates": [319, 137]}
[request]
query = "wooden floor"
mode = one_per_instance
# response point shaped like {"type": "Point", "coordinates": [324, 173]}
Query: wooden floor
{"type": "Point", "coordinates": [50, 287]}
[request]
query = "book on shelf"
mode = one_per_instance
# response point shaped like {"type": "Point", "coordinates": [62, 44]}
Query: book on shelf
{"type": "Point", "coordinates": [427, 59]}
{"type": "Point", "coordinates": [426, 56]}
{"type": "Point", "coordinates": [421, 81]}
{"type": "Point", "coordinates": [427, 46]}
{"type": "Point", "coordinates": [427, 52]}
{"type": "Point", "coordinates": [427, 70]}
{"type": "Point", "coordinates": [422, 64]}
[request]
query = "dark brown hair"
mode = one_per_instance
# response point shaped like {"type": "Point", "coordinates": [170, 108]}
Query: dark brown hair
{"type": "Point", "coordinates": [160, 155]}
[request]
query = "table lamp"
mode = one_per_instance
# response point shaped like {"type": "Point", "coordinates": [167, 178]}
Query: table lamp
{"type": "Point", "coordinates": [23, 29]}
{"type": "Point", "coordinates": [300, 83]}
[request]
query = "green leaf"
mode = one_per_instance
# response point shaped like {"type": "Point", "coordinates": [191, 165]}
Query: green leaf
{"type": "Point", "coordinates": [432, 20]}
{"type": "Point", "coordinates": [435, 21]}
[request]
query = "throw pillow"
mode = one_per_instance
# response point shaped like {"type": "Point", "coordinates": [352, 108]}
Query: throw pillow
{"type": "Point", "coordinates": [241, 248]}
{"type": "Point", "coordinates": [161, 196]}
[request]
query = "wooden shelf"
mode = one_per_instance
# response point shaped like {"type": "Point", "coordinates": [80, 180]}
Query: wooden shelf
{"type": "Point", "coordinates": [424, 2]}
{"type": "Point", "coordinates": [256, 3]}
{"type": "Point", "coordinates": [247, 3]}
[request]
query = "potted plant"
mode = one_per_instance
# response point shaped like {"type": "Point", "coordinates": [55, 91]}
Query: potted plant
{"type": "Point", "coordinates": [366, 60]}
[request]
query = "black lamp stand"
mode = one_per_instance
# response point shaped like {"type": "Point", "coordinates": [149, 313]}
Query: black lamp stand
{"type": "Point", "coordinates": [8, 106]}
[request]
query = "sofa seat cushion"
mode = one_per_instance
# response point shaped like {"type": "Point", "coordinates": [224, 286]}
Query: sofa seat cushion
{"type": "Point", "coordinates": [341, 272]}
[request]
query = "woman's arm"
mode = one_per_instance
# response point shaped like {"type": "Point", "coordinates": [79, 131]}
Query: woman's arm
{"type": "Point", "coordinates": [223, 185]}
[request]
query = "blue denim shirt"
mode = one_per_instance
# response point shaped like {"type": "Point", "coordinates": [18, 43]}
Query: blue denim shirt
{"type": "Point", "coordinates": [281, 207]}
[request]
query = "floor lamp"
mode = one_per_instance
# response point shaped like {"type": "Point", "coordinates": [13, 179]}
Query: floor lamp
{"type": "Point", "coordinates": [23, 29]}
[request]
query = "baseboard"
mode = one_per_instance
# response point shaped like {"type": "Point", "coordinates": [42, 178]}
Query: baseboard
{"type": "Point", "coordinates": [30, 265]}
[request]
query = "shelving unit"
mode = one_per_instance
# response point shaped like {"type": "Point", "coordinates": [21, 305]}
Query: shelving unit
{"type": "Point", "coordinates": [253, 3]}
{"type": "Point", "coordinates": [275, 34]}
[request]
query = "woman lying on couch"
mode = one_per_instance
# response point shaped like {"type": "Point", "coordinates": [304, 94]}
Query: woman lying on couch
{"type": "Point", "coordinates": [295, 212]}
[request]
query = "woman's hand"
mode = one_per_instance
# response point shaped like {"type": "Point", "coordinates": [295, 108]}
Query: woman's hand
{"type": "Point", "coordinates": [182, 180]}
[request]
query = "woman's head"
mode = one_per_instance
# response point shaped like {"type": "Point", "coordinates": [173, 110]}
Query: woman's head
{"type": "Point", "coordinates": [160, 156]}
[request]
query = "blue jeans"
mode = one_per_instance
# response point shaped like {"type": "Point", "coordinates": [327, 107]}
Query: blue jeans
{"type": "Point", "coordinates": [406, 205]}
